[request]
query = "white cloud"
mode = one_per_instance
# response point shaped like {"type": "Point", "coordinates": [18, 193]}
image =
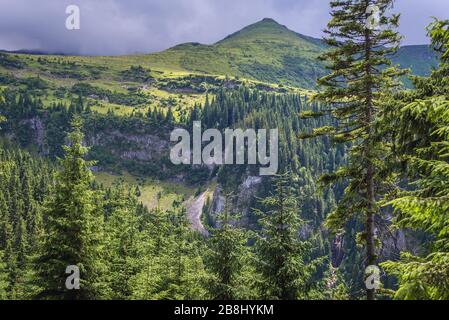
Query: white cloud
{"type": "Point", "coordinates": [122, 26]}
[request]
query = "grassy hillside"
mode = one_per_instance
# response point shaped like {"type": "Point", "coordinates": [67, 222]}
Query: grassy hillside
{"type": "Point", "coordinates": [270, 52]}
{"type": "Point", "coordinates": [265, 51]}
{"type": "Point", "coordinates": [264, 54]}
{"type": "Point", "coordinates": [152, 192]}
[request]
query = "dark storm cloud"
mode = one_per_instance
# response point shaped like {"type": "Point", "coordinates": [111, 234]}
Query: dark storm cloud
{"type": "Point", "coordinates": [128, 26]}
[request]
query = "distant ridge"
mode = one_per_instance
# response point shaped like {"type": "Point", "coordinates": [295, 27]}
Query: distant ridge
{"type": "Point", "coordinates": [270, 52]}
{"type": "Point", "coordinates": [34, 52]}
{"type": "Point", "coordinates": [266, 51]}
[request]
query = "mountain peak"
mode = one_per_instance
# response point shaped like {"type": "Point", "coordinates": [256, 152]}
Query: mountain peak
{"type": "Point", "coordinates": [268, 20]}
{"type": "Point", "coordinates": [266, 23]}
{"type": "Point", "coordinates": [264, 27]}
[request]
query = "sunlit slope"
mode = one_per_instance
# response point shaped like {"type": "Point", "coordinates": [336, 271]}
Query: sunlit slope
{"type": "Point", "coordinates": [264, 51]}
{"type": "Point", "coordinates": [270, 52]}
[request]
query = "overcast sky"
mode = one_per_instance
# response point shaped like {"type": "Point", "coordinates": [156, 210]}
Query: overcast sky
{"type": "Point", "coordinates": [112, 27]}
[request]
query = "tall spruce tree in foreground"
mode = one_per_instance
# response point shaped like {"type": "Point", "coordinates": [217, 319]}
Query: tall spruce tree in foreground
{"type": "Point", "coordinates": [422, 136]}
{"type": "Point", "coordinates": [281, 254]}
{"type": "Point", "coordinates": [172, 267]}
{"type": "Point", "coordinates": [229, 259]}
{"type": "Point", "coordinates": [74, 228]}
{"type": "Point", "coordinates": [360, 75]}
{"type": "Point", "coordinates": [124, 248]}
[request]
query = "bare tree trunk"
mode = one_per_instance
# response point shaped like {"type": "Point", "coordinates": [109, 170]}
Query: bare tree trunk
{"type": "Point", "coordinates": [370, 193]}
{"type": "Point", "coordinates": [370, 241]}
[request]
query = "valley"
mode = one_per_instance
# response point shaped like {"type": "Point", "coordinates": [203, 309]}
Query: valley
{"type": "Point", "coordinates": [265, 56]}
{"type": "Point", "coordinates": [121, 110]}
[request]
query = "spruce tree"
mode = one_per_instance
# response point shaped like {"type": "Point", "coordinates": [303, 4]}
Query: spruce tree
{"type": "Point", "coordinates": [422, 139]}
{"type": "Point", "coordinates": [124, 241]}
{"type": "Point", "coordinates": [173, 267]}
{"type": "Point", "coordinates": [360, 76]}
{"type": "Point", "coordinates": [74, 228]}
{"type": "Point", "coordinates": [229, 259]}
{"type": "Point", "coordinates": [281, 255]}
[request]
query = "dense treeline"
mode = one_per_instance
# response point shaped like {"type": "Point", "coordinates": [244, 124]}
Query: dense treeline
{"type": "Point", "coordinates": [44, 128]}
{"type": "Point", "coordinates": [53, 217]}
{"type": "Point", "coordinates": [22, 109]}
{"type": "Point", "coordinates": [247, 108]}
{"type": "Point", "coordinates": [398, 143]}
{"type": "Point", "coordinates": [417, 122]}
{"type": "Point", "coordinates": [389, 171]}
{"type": "Point", "coordinates": [305, 159]}
{"type": "Point", "coordinates": [56, 216]}
{"type": "Point", "coordinates": [25, 184]}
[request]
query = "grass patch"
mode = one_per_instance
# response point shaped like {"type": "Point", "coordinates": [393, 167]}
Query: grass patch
{"type": "Point", "coordinates": [150, 189]}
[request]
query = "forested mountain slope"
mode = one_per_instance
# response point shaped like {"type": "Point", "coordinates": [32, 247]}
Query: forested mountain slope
{"type": "Point", "coordinates": [259, 77]}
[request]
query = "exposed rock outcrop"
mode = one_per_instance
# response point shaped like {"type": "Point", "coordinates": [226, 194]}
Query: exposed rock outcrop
{"type": "Point", "coordinates": [241, 201]}
{"type": "Point", "coordinates": [37, 126]}
{"type": "Point", "coordinates": [194, 211]}
{"type": "Point", "coordinates": [144, 147]}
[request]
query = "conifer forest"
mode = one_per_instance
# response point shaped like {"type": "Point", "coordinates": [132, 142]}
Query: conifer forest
{"type": "Point", "coordinates": [93, 207]}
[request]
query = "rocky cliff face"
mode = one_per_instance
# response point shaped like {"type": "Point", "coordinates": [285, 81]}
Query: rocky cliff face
{"type": "Point", "coordinates": [142, 147]}
{"type": "Point", "coordinates": [241, 201]}
{"type": "Point", "coordinates": [194, 211]}
{"type": "Point", "coordinates": [38, 133]}
{"type": "Point", "coordinates": [391, 244]}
